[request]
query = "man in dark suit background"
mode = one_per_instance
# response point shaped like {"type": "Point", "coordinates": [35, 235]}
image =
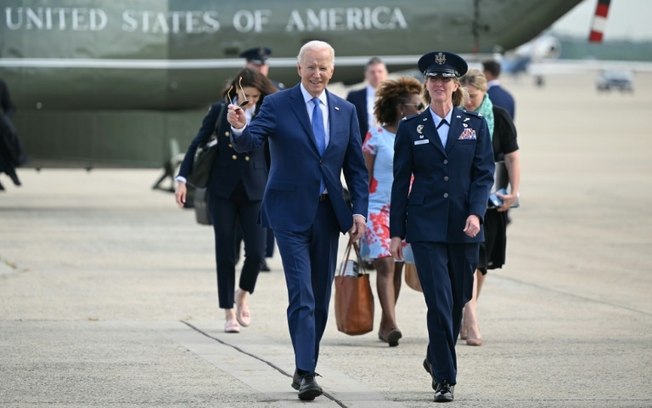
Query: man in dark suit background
{"type": "Point", "coordinates": [256, 59]}
{"type": "Point", "coordinates": [364, 99]}
{"type": "Point", "coordinates": [499, 96]}
{"type": "Point", "coordinates": [313, 137]}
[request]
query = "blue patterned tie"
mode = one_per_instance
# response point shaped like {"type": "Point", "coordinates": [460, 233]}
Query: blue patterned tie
{"type": "Point", "coordinates": [318, 127]}
{"type": "Point", "coordinates": [320, 134]}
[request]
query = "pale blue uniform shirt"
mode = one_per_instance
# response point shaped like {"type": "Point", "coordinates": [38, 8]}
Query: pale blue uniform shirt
{"type": "Point", "coordinates": [444, 128]}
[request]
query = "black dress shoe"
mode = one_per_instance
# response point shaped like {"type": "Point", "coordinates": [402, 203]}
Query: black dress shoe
{"type": "Point", "coordinates": [428, 367]}
{"type": "Point", "coordinates": [444, 392]}
{"type": "Point", "coordinates": [264, 267]}
{"type": "Point", "coordinates": [296, 380]}
{"type": "Point", "coordinates": [14, 177]}
{"type": "Point", "coordinates": [309, 388]}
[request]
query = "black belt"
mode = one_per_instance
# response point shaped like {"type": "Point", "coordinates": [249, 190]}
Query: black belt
{"type": "Point", "coordinates": [323, 197]}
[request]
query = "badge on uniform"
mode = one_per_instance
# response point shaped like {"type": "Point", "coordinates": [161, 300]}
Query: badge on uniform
{"type": "Point", "coordinates": [467, 134]}
{"type": "Point", "coordinates": [420, 142]}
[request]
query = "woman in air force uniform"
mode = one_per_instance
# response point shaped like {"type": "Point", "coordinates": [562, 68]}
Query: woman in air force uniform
{"type": "Point", "coordinates": [448, 150]}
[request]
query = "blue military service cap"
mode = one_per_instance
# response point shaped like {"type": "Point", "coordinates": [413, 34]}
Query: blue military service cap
{"type": "Point", "coordinates": [442, 63]}
{"type": "Point", "coordinates": [256, 55]}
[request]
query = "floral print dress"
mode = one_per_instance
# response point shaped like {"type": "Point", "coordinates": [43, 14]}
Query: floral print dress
{"type": "Point", "coordinates": [375, 243]}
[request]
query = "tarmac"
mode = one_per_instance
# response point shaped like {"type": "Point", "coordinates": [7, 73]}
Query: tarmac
{"type": "Point", "coordinates": [108, 290]}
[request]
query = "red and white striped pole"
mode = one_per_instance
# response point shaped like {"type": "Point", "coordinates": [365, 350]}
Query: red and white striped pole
{"type": "Point", "coordinates": [599, 21]}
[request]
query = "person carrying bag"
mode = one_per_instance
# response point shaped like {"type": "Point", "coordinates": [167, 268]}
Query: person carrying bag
{"type": "Point", "coordinates": [205, 156]}
{"type": "Point", "coordinates": [234, 183]}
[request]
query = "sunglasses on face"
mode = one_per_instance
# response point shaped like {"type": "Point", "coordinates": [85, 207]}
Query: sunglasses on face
{"type": "Point", "coordinates": [245, 101]}
{"type": "Point", "coordinates": [420, 106]}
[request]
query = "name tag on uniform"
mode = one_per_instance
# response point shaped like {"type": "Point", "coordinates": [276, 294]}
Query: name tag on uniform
{"type": "Point", "coordinates": [420, 142]}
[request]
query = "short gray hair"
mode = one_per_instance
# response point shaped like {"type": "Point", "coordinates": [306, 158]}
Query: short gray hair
{"type": "Point", "coordinates": [316, 45]}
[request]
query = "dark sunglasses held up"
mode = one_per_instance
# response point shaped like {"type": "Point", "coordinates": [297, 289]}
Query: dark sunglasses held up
{"type": "Point", "coordinates": [245, 101]}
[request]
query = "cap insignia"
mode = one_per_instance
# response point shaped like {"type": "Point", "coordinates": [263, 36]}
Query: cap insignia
{"type": "Point", "coordinates": [440, 58]}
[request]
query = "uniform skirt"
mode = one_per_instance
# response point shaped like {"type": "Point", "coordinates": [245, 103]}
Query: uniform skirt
{"type": "Point", "coordinates": [492, 251]}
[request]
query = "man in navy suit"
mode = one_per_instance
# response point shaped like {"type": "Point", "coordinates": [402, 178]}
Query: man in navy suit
{"type": "Point", "coordinates": [499, 96]}
{"type": "Point", "coordinates": [313, 137]}
{"type": "Point", "coordinates": [447, 151]}
{"type": "Point", "coordinates": [364, 99]}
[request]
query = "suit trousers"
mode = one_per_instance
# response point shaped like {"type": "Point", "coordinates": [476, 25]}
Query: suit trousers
{"type": "Point", "coordinates": [446, 275]}
{"type": "Point", "coordinates": [228, 215]}
{"type": "Point", "coordinates": [269, 243]}
{"type": "Point", "coordinates": [309, 259]}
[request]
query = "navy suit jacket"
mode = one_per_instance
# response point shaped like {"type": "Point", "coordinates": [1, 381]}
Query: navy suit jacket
{"type": "Point", "coordinates": [359, 100]}
{"type": "Point", "coordinates": [230, 167]}
{"type": "Point", "coordinates": [450, 183]}
{"type": "Point", "coordinates": [501, 97]}
{"type": "Point", "coordinates": [292, 194]}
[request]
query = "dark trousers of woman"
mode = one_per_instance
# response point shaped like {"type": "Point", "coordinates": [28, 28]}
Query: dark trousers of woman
{"type": "Point", "coordinates": [446, 275]}
{"type": "Point", "coordinates": [226, 215]}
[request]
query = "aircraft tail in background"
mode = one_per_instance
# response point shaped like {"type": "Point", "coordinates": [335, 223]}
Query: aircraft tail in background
{"type": "Point", "coordinates": [599, 21]}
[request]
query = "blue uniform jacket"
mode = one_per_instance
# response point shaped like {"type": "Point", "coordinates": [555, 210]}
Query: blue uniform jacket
{"type": "Point", "coordinates": [450, 183]}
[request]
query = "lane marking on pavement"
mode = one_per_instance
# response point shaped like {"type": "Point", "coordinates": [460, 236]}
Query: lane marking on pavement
{"type": "Point", "coordinates": [344, 391]}
{"type": "Point", "coordinates": [262, 360]}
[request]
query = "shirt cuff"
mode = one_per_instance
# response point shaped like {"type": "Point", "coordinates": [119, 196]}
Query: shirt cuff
{"type": "Point", "coordinates": [238, 132]}
{"type": "Point", "coordinates": [180, 179]}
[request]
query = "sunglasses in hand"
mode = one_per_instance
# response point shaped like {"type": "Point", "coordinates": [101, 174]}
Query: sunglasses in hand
{"type": "Point", "coordinates": [245, 101]}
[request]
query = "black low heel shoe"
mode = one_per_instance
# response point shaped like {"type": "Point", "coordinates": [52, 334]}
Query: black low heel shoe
{"type": "Point", "coordinates": [392, 337]}
{"type": "Point", "coordinates": [309, 389]}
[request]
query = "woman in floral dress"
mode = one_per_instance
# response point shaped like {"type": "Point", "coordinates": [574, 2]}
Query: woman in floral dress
{"type": "Point", "coordinates": [396, 100]}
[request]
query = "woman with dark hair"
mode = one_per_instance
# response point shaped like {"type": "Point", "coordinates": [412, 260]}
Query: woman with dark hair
{"type": "Point", "coordinates": [395, 100]}
{"type": "Point", "coordinates": [235, 190]}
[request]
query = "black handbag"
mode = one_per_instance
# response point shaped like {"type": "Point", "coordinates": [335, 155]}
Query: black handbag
{"type": "Point", "coordinates": [205, 156]}
{"type": "Point", "coordinates": [200, 201]}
